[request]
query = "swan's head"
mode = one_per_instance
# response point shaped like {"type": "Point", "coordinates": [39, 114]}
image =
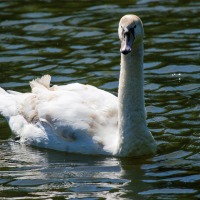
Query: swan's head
{"type": "Point", "coordinates": [130, 32]}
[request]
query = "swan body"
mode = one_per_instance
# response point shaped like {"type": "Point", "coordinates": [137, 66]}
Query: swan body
{"type": "Point", "coordinates": [81, 118]}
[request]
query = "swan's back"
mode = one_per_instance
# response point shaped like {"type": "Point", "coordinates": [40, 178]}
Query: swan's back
{"type": "Point", "coordinates": [74, 118]}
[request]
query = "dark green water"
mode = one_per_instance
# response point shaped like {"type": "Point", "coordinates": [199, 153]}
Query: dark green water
{"type": "Point", "coordinates": [78, 42]}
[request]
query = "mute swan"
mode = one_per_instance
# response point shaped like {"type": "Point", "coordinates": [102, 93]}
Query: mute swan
{"type": "Point", "coordinates": [81, 118]}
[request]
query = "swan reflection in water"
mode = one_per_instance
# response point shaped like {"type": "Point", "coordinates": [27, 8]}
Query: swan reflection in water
{"type": "Point", "coordinates": [38, 170]}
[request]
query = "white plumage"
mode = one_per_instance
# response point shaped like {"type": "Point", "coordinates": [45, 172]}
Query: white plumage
{"type": "Point", "coordinates": [84, 119]}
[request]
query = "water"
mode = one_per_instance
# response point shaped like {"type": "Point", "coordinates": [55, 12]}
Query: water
{"type": "Point", "coordinates": [78, 42]}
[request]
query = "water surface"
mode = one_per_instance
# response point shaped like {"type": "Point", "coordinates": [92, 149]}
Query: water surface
{"type": "Point", "coordinates": [78, 42]}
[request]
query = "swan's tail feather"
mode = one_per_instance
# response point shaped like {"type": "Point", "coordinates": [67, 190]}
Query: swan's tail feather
{"type": "Point", "coordinates": [44, 81]}
{"type": "Point", "coordinates": [7, 104]}
{"type": "Point", "coordinates": [11, 107]}
{"type": "Point", "coordinates": [2, 91]}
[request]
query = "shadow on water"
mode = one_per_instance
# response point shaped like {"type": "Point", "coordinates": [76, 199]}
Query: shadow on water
{"type": "Point", "coordinates": [78, 42]}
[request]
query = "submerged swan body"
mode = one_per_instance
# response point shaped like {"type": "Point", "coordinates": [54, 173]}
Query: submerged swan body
{"type": "Point", "coordinates": [81, 118]}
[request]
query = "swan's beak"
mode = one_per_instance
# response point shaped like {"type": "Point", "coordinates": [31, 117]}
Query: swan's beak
{"type": "Point", "coordinates": [126, 43]}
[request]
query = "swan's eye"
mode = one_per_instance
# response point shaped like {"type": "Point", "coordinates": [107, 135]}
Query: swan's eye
{"type": "Point", "coordinates": [132, 31]}
{"type": "Point", "coordinates": [128, 35]}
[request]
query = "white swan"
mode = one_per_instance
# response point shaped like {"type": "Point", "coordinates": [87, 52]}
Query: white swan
{"type": "Point", "coordinates": [84, 119]}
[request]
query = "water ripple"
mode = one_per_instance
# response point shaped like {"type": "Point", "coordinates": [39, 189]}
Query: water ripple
{"type": "Point", "coordinates": [78, 42]}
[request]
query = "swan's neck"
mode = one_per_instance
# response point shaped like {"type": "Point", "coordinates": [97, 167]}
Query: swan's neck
{"type": "Point", "coordinates": [131, 93]}
{"type": "Point", "coordinates": [133, 131]}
